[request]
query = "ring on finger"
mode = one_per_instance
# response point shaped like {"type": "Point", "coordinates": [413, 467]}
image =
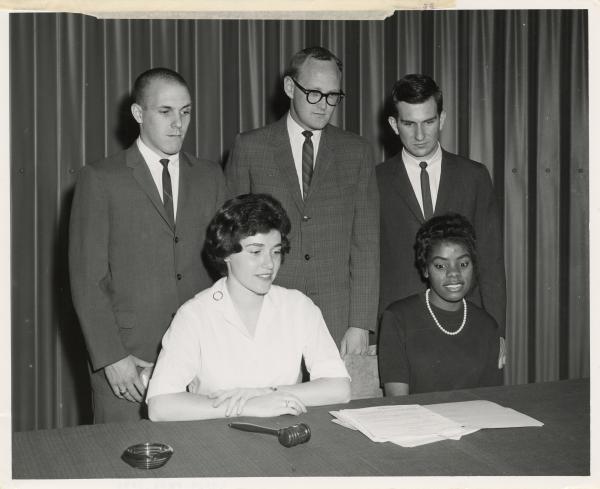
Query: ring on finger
{"type": "Point", "coordinates": [123, 392]}
{"type": "Point", "coordinates": [287, 403]}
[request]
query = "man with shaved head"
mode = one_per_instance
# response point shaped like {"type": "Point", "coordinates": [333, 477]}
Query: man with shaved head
{"type": "Point", "coordinates": [136, 234]}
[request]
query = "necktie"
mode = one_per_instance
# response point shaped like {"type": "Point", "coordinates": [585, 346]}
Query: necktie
{"type": "Point", "coordinates": [307, 162]}
{"type": "Point", "coordinates": [167, 191]}
{"type": "Point", "coordinates": [426, 191]}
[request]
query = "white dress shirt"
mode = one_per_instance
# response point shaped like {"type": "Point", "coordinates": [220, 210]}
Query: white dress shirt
{"type": "Point", "coordinates": [156, 169]}
{"type": "Point", "coordinates": [296, 141]}
{"type": "Point", "coordinates": [434, 169]}
{"type": "Point", "coordinates": [208, 342]}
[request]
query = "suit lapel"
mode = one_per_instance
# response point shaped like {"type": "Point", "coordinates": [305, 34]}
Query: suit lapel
{"type": "Point", "coordinates": [185, 185]}
{"type": "Point", "coordinates": [403, 187]}
{"type": "Point", "coordinates": [449, 189]}
{"type": "Point", "coordinates": [324, 159]}
{"type": "Point", "coordinates": [142, 175]}
{"type": "Point", "coordinates": [284, 159]}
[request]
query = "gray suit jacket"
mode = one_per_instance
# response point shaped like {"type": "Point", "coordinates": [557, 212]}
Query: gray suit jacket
{"type": "Point", "coordinates": [130, 269]}
{"type": "Point", "coordinates": [334, 256]}
{"type": "Point", "coordinates": [465, 188]}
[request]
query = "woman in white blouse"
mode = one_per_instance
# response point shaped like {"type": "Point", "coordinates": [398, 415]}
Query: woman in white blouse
{"type": "Point", "coordinates": [235, 349]}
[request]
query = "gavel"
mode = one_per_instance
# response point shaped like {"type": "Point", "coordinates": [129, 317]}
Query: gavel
{"type": "Point", "coordinates": [288, 437]}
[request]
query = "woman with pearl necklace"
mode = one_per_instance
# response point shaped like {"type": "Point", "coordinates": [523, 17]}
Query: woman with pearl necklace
{"type": "Point", "coordinates": [438, 340]}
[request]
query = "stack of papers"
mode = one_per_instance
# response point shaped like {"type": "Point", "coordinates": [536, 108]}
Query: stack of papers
{"type": "Point", "coordinates": [413, 425]}
{"type": "Point", "coordinates": [408, 426]}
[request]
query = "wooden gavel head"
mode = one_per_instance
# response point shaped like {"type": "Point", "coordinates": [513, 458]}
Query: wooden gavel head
{"type": "Point", "coordinates": [294, 435]}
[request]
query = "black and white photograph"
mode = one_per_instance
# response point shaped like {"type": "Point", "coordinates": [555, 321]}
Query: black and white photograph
{"type": "Point", "coordinates": [267, 251]}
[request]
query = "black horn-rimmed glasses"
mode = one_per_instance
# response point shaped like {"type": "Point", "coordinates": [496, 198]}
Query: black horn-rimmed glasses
{"type": "Point", "coordinates": [315, 96]}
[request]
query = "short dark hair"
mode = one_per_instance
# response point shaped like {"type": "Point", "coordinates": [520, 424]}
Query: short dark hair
{"type": "Point", "coordinates": [316, 52]}
{"type": "Point", "coordinates": [145, 78]}
{"type": "Point", "coordinates": [240, 217]}
{"type": "Point", "coordinates": [416, 88]}
{"type": "Point", "coordinates": [448, 228]}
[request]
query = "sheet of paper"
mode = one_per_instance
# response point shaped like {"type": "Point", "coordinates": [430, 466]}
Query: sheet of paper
{"type": "Point", "coordinates": [341, 423]}
{"type": "Point", "coordinates": [483, 414]}
{"type": "Point", "coordinates": [422, 440]}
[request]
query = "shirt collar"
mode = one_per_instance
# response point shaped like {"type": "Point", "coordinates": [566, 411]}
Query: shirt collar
{"type": "Point", "coordinates": [220, 293]}
{"type": "Point", "coordinates": [296, 129]}
{"type": "Point", "coordinates": [223, 301]}
{"type": "Point", "coordinates": [151, 156]}
{"type": "Point", "coordinates": [433, 160]}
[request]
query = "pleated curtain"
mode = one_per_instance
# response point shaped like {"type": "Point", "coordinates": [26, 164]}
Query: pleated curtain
{"type": "Point", "coordinates": [515, 89]}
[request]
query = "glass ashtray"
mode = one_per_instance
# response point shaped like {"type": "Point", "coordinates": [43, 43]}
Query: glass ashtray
{"type": "Point", "coordinates": [147, 455]}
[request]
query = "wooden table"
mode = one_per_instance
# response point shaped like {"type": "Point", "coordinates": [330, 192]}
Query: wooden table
{"type": "Point", "coordinates": [212, 449]}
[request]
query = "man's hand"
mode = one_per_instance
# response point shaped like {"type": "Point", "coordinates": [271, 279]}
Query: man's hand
{"type": "Point", "coordinates": [124, 379]}
{"type": "Point", "coordinates": [502, 353]}
{"type": "Point", "coordinates": [145, 375]}
{"type": "Point", "coordinates": [355, 341]}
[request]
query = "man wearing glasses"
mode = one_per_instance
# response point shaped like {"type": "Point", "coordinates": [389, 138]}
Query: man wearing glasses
{"type": "Point", "coordinates": [325, 179]}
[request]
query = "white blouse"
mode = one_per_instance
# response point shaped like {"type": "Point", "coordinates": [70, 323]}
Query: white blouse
{"type": "Point", "coordinates": [207, 342]}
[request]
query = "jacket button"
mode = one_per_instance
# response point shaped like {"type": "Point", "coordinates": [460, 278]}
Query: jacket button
{"type": "Point", "coordinates": [307, 257]}
{"type": "Point", "coordinates": [305, 218]}
{"type": "Point", "coordinates": [179, 276]}
{"type": "Point", "coordinates": [176, 239]}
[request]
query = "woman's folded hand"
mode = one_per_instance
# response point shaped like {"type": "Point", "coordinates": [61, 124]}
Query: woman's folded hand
{"type": "Point", "coordinates": [236, 398]}
{"type": "Point", "coordinates": [260, 401]}
{"type": "Point", "coordinates": [274, 404]}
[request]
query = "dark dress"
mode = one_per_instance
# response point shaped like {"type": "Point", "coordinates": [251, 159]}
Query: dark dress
{"type": "Point", "coordinates": [414, 351]}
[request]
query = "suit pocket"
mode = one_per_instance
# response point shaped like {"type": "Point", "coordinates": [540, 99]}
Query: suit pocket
{"type": "Point", "coordinates": [335, 198]}
{"type": "Point", "coordinates": [267, 176]}
{"type": "Point", "coordinates": [125, 320]}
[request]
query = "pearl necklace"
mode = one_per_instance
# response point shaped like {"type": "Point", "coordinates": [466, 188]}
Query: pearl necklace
{"type": "Point", "coordinates": [451, 333]}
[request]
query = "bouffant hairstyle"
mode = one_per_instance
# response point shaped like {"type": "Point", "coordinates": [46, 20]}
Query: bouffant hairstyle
{"type": "Point", "coordinates": [238, 218]}
{"type": "Point", "coordinates": [448, 228]}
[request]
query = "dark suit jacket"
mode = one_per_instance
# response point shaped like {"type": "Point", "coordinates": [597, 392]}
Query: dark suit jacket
{"type": "Point", "coordinates": [130, 269]}
{"type": "Point", "coordinates": [465, 188]}
{"type": "Point", "coordinates": [334, 256]}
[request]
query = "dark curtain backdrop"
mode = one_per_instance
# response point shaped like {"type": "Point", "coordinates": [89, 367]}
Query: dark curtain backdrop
{"type": "Point", "coordinates": [516, 92]}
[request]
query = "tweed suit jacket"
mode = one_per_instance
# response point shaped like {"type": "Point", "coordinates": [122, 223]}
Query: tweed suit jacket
{"type": "Point", "coordinates": [130, 268]}
{"type": "Point", "coordinates": [466, 188]}
{"type": "Point", "coordinates": [334, 257]}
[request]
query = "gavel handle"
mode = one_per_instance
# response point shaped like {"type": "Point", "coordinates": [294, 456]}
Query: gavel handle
{"type": "Point", "coordinates": [254, 428]}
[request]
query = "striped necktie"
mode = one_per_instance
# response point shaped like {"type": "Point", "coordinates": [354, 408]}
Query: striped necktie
{"type": "Point", "coordinates": [167, 191]}
{"type": "Point", "coordinates": [307, 162]}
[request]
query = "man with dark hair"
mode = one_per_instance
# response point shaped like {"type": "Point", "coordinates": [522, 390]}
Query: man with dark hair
{"type": "Point", "coordinates": [325, 179]}
{"type": "Point", "coordinates": [136, 234]}
{"type": "Point", "coordinates": [425, 180]}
